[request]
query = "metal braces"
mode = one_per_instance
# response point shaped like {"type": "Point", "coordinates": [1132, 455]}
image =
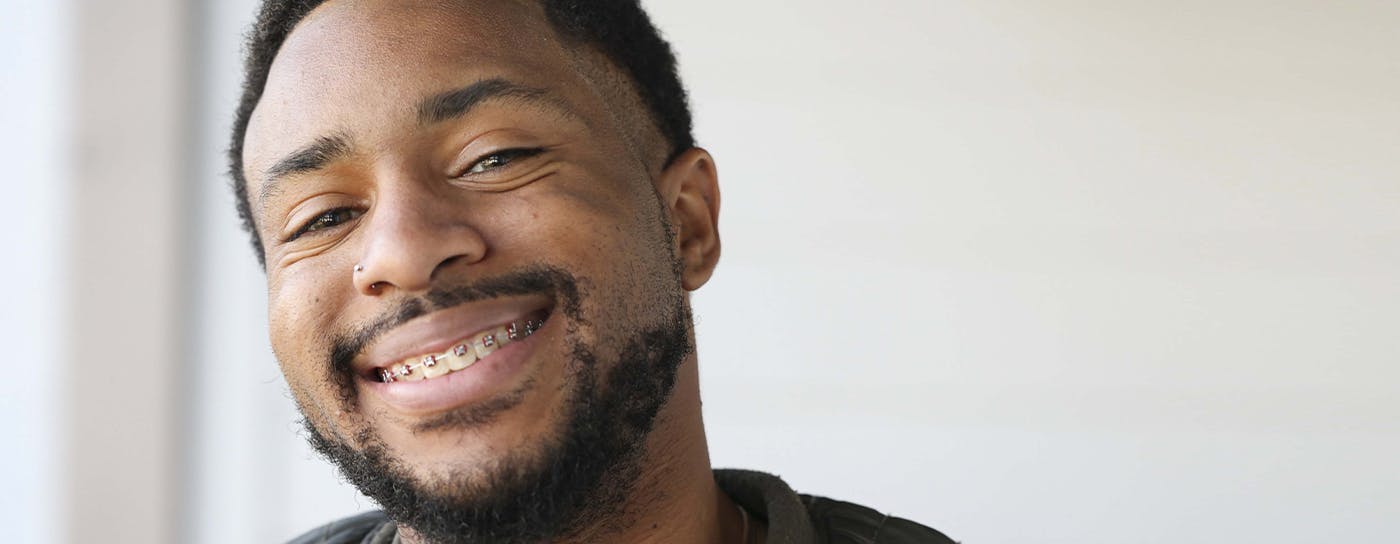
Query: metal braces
{"type": "Point", "coordinates": [513, 332]}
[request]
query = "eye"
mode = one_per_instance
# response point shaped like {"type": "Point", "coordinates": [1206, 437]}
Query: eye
{"type": "Point", "coordinates": [327, 219]}
{"type": "Point", "coordinates": [500, 159]}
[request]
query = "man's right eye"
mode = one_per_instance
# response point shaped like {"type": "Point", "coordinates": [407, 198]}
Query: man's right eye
{"type": "Point", "coordinates": [327, 219]}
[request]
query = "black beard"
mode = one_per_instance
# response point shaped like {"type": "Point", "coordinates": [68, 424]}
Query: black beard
{"type": "Point", "coordinates": [579, 479]}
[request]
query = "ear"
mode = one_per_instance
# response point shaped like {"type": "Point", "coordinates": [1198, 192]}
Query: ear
{"type": "Point", "coordinates": [689, 188]}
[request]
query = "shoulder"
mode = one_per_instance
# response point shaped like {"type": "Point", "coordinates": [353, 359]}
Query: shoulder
{"type": "Point", "coordinates": [358, 529]}
{"type": "Point", "coordinates": [840, 522]}
{"type": "Point", "coordinates": [806, 519]}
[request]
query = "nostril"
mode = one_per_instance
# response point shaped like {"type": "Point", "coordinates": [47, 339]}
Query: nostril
{"type": "Point", "coordinates": [453, 261]}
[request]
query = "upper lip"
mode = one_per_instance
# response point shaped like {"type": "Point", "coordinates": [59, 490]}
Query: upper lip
{"type": "Point", "coordinates": [440, 330]}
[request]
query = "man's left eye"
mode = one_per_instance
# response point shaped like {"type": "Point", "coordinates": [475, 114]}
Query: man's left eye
{"type": "Point", "coordinates": [500, 159]}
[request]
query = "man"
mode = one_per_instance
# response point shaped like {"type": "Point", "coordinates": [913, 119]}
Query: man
{"type": "Point", "coordinates": [480, 221]}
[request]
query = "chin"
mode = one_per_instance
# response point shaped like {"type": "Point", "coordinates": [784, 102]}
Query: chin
{"type": "Point", "coordinates": [530, 463]}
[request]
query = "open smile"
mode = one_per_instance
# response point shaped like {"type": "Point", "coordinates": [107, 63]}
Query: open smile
{"type": "Point", "coordinates": [446, 369]}
{"type": "Point", "coordinates": [464, 353]}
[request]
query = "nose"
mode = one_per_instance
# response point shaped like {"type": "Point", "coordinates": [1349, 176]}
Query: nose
{"type": "Point", "coordinates": [412, 236]}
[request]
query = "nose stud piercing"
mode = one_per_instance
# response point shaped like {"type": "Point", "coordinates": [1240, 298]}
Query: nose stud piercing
{"type": "Point", "coordinates": [361, 268]}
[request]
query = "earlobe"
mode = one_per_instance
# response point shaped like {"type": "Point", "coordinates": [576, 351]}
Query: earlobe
{"type": "Point", "coordinates": [689, 187]}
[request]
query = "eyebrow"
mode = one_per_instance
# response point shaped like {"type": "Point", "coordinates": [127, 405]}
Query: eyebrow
{"type": "Point", "coordinates": [310, 158]}
{"type": "Point", "coordinates": [458, 102]}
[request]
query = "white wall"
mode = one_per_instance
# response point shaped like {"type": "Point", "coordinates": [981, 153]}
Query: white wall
{"type": "Point", "coordinates": [1024, 271]}
{"type": "Point", "coordinates": [1059, 271]}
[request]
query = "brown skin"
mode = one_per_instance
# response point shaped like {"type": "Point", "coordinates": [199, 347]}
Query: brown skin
{"type": "Point", "coordinates": [595, 202]}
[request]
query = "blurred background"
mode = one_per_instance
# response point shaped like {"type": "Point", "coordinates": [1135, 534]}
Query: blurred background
{"type": "Point", "coordinates": [1068, 271]}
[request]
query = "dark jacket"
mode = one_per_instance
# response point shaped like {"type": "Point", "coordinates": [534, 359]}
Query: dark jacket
{"type": "Point", "coordinates": [791, 518]}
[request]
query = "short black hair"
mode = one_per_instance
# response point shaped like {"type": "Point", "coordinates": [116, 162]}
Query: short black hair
{"type": "Point", "coordinates": [618, 29]}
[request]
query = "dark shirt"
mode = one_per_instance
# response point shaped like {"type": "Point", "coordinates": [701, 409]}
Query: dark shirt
{"type": "Point", "coordinates": [791, 518]}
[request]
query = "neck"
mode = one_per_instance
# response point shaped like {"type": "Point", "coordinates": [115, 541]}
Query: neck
{"type": "Point", "coordinates": [675, 499]}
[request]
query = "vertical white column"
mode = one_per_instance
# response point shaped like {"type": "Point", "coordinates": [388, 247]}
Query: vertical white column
{"type": "Point", "coordinates": [129, 105]}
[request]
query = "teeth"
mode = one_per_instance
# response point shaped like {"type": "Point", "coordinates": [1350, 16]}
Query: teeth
{"type": "Point", "coordinates": [462, 355]}
{"type": "Point", "coordinates": [431, 368]}
{"type": "Point", "coordinates": [502, 336]}
{"type": "Point", "coordinates": [410, 372]}
{"type": "Point", "coordinates": [484, 345]}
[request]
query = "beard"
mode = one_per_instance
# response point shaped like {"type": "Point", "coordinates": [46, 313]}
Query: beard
{"type": "Point", "coordinates": [578, 477]}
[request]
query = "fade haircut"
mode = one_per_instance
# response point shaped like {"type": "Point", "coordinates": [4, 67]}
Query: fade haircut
{"type": "Point", "coordinates": [618, 29]}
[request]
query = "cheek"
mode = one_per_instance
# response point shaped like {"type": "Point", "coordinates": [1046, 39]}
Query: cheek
{"type": "Point", "coordinates": [299, 322]}
{"type": "Point", "coordinates": [615, 242]}
{"type": "Point", "coordinates": [299, 308]}
{"type": "Point", "coordinates": [594, 233]}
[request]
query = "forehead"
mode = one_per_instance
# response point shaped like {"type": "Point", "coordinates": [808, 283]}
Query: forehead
{"type": "Point", "coordinates": [358, 66]}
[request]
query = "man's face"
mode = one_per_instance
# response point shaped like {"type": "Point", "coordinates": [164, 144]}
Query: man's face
{"type": "Point", "coordinates": [423, 176]}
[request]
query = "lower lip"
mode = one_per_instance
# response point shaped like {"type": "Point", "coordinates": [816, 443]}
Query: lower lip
{"type": "Point", "coordinates": [498, 373]}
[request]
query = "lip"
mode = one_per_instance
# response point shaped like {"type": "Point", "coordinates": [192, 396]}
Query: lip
{"type": "Point", "coordinates": [439, 331]}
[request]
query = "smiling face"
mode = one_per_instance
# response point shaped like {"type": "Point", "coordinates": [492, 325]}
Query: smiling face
{"type": "Point", "coordinates": [476, 257]}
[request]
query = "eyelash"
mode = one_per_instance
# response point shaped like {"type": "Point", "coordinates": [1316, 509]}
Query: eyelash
{"type": "Point", "coordinates": [336, 216]}
{"type": "Point", "coordinates": [507, 156]}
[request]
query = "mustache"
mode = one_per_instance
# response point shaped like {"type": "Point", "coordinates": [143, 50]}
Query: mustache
{"type": "Point", "coordinates": [556, 283]}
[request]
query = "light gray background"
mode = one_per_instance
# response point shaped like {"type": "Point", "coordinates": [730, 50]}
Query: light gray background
{"type": "Point", "coordinates": [1071, 271]}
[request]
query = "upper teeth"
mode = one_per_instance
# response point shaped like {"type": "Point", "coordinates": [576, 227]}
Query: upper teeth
{"type": "Point", "coordinates": [461, 355]}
